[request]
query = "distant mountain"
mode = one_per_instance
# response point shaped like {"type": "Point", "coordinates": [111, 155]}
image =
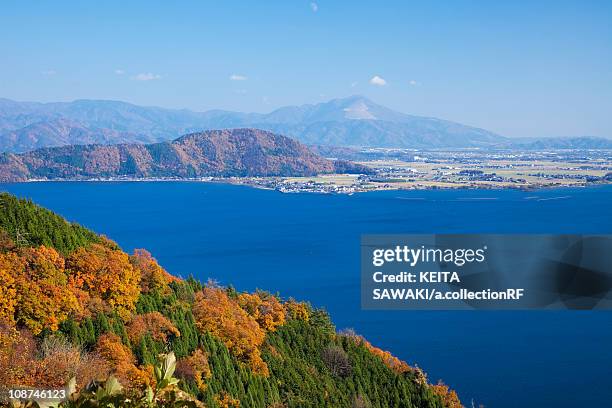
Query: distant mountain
{"type": "Point", "coordinates": [237, 152]}
{"type": "Point", "coordinates": [555, 143]}
{"type": "Point", "coordinates": [357, 121]}
{"type": "Point", "coordinates": [60, 132]}
{"type": "Point", "coordinates": [352, 121]}
{"type": "Point", "coordinates": [135, 123]}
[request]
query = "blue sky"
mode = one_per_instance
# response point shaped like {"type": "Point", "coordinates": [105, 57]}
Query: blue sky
{"type": "Point", "coordinates": [520, 68]}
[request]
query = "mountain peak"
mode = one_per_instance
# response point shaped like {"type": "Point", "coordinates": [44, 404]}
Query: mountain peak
{"type": "Point", "coordinates": [358, 107]}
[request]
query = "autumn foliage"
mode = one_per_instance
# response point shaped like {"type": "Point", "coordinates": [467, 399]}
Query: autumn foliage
{"type": "Point", "coordinates": [105, 274]}
{"type": "Point", "coordinates": [227, 401]}
{"type": "Point", "coordinates": [74, 305]}
{"type": "Point", "coordinates": [122, 361]}
{"type": "Point", "coordinates": [387, 358]}
{"type": "Point", "coordinates": [195, 368]}
{"type": "Point", "coordinates": [266, 309]}
{"type": "Point", "coordinates": [222, 316]}
{"type": "Point", "coordinates": [9, 263]}
{"type": "Point", "coordinates": [40, 288]}
{"type": "Point", "coordinates": [38, 293]}
{"type": "Point", "coordinates": [51, 364]}
{"type": "Point", "coordinates": [17, 350]}
{"type": "Point", "coordinates": [59, 361]}
{"type": "Point", "coordinates": [297, 310]}
{"type": "Point", "coordinates": [449, 397]}
{"type": "Point", "coordinates": [152, 276]}
{"type": "Point", "coordinates": [155, 324]}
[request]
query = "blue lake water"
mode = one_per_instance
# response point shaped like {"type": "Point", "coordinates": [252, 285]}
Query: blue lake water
{"type": "Point", "coordinates": [307, 246]}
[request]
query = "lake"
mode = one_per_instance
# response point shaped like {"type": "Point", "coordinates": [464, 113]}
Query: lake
{"type": "Point", "coordinates": [307, 246]}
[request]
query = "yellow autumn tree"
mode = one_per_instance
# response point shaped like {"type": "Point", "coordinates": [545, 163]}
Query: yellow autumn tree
{"type": "Point", "coordinates": [297, 310]}
{"type": "Point", "coordinates": [105, 273]}
{"type": "Point", "coordinates": [266, 309]}
{"type": "Point", "coordinates": [217, 313]}
{"type": "Point", "coordinates": [43, 295]}
{"type": "Point", "coordinates": [9, 263]}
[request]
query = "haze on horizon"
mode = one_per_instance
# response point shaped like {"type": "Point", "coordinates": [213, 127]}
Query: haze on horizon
{"type": "Point", "coordinates": [520, 69]}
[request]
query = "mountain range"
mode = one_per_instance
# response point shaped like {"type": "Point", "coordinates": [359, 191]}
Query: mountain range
{"type": "Point", "coordinates": [354, 121]}
{"type": "Point", "coordinates": [551, 143]}
{"type": "Point", "coordinates": [236, 152]}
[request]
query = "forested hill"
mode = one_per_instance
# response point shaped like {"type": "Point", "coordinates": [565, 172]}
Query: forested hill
{"type": "Point", "coordinates": [235, 152]}
{"type": "Point", "coordinates": [118, 329]}
{"type": "Point", "coordinates": [27, 223]}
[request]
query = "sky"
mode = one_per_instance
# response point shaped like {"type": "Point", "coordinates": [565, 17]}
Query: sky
{"type": "Point", "coordinates": [520, 68]}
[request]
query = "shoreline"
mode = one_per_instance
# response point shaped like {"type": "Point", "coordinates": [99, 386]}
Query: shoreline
{"type": "Point", "coordinates": [313, 188]}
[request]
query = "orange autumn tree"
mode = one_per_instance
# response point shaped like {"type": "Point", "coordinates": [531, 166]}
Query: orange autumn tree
{"type": "Point", "coordinates": [217, 313]}
{"type": "Point", "coordinates": [389, 359]}
{"type": "Point", "coordinates": [104, 273]}
{"type": "Point", "coordinates": [449, 397]}
{"type": "Point", "coordinates": [122, 361]}
{"type": "Point", "coordinates": [43, 295]}
{"type": "Point", "coordinates": [264, 308]}
{"type": "Point", "coordinates": [9, 263]}
{"type": "Point", "coordinates": [152, 276]}
{"type": "Point", "coordinates": [154, 323]}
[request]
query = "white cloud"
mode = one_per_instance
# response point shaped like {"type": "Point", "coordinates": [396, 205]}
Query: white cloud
{"type": "Point", "coordinates": [378, 81]}
{"type": "Point", "coordinates": [146, 76]}
{"type": "Point", "coordinates": [49, 72]}
{"type": "Point", "coordinates": [413, 83]}
{"type": "Point", "coordinates": [314, 7]}
{"type": "Point", "coordinates": [119, 72]}
{"type": "Point", "coordinates": [236, 77]}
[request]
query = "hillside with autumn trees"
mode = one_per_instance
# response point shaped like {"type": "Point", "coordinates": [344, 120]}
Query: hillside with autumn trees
{"type": "Point", "coordinates": [118, 330]}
